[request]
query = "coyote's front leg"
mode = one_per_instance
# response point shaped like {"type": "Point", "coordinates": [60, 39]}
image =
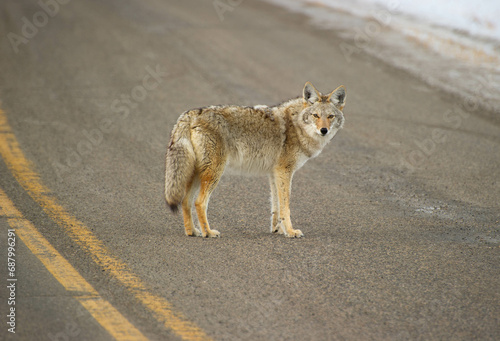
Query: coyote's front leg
{"type": "Point", "coordinates": [276, 227]}
{"type": "Point", "coordinates": [283, 179]}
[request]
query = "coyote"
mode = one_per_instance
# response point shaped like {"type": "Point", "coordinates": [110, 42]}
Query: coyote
{"type": "Point", "coordinates": [275, 141]}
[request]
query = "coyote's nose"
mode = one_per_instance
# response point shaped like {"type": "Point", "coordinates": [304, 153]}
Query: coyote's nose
{"type": "Point", "coordinates": [323, 131]}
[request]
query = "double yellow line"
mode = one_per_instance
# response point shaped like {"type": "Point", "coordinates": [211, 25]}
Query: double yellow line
{"type": "Point", "coordinates": [24, 172]}
{"type": "Point", "coordinates": [102, 311]}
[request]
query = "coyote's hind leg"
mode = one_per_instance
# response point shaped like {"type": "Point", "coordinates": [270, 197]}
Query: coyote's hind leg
{"type": "Point", "coordinates": [208, 182]}
{"type": "Point", "coordinates": [187, 203]}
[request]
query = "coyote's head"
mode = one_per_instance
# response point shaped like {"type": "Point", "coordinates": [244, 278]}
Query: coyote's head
{"type": "Point", "coordinates": [322, 114]}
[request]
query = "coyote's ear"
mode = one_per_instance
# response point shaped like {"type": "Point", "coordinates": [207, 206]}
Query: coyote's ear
{"type": "Point", "coordinates": [311, 95]}
{"type": "Point", "coordinates": [337, 97]}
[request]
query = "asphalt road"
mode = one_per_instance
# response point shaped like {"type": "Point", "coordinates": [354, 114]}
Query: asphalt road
{"type": "Point", "coordinates": [400, 212]}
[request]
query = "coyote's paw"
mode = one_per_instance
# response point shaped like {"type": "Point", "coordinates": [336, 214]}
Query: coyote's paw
{"type": "Point", "coordinates": [193, 233]}
{"type": "Point", "coordinates": [211, 234]}
{"type": "Point", "coordinates": [294, 234]}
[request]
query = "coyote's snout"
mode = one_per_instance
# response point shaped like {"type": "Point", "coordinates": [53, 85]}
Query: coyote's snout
{"type": "Point", "coordinates": [259, 140]}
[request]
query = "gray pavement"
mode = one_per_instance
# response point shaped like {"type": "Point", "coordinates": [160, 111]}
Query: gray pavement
{"type": "Point", "coordinates": [400, 213]}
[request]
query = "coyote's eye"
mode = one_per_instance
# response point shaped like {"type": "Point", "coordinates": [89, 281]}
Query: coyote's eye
{"type": "Point", "coordinates": [331, 116]}
{"type": "Point", "coordinates": [316, 115]}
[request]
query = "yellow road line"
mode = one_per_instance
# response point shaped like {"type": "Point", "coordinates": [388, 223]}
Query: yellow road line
{"type": "Point", "coordinates": [24, 172]}
{"type": "Point", "coordinates": [102, 311]}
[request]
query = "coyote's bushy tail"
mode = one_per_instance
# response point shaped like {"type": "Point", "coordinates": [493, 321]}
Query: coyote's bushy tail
{"type": "Point", "coordinates": [180, 162]}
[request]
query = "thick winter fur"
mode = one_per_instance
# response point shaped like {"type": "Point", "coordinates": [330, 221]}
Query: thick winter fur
{"type": "Point", "coordinates": [258, 140]}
